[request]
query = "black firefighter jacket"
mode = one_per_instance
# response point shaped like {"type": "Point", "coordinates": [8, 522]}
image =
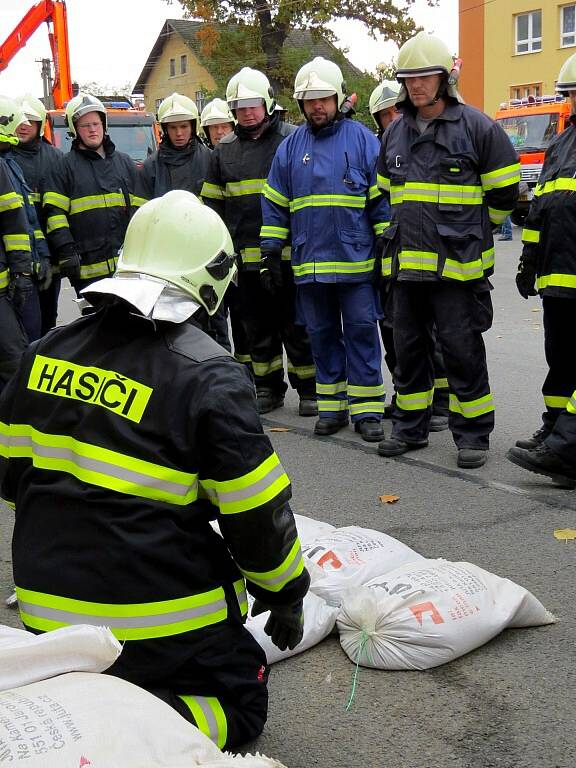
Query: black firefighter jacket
{"type": "Point", "coordinates": [117, 461]}
{"type": "Point", "coordinates": [448, 188]}
{"type": "Point", "coordinates": [170, 168]}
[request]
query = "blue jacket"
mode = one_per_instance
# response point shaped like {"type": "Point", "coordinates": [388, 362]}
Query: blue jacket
{"type": "Point", "coordinates": [321, 191]}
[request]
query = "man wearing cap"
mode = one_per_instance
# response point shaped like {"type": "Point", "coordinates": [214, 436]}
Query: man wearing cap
{"type": "Point", "coordinates": [321, 192]}
{"type": "Point", "coordinates": [548, 267]}
{"type": "Point", "coordinates": [37, 158]}
{"type": "Point", "coordinates": [263, 320]}
{"type": "Point", "coordinates": [451, 175]}
{"type": "Point", "coordinates": [90, 197]}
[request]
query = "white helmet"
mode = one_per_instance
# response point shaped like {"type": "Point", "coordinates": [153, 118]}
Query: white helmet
{"type": "Point", "coordinates": [82, 105]}
{"type": "Point", "coordinates": [249, 88]}
{"type": "Point", "coordinates": [318, 79]}
{"type": "Point", "coordinates": [177, 108]}
{"type": "Point", "coordinates": [215, 113]}
{"type": "Point", "coordinates": [33, 109]}
{"type": "Point", "coordinates": [11, 116]}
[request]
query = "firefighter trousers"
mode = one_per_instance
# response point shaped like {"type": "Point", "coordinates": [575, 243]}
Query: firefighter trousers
{"type": "Point", "coordinates": [559, 317]}
{"type": "Point", "coordinates": [342, 324]}
{"type": "Point", "coordinates": [269, 323]}
{"type": "Point", "coordinates": [216, 678]}
{"type": "Point", "coordinates": [460, 314]}
{"type": "Point", "coordinates": [13, 340]}
{"type": "Point", "coordinates": [562, 439]}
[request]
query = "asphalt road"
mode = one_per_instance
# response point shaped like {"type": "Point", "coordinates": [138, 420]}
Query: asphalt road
{"type": "Point", "coordinates": [509, 704]}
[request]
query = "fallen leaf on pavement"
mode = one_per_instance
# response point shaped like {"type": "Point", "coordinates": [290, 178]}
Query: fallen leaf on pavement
{"type": "Point", "coordinates": [388, 499]}
{"type": "Point", "coordinates": [279, 429]}
{"type": "Point", "coordinates": [565, 534]}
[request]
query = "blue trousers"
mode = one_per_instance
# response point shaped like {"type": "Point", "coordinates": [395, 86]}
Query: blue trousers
{"type": "Point", "coordinates": [341, 320]}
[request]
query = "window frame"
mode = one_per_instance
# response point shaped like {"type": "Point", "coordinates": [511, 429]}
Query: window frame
{"type": "Point", "coordinates": [183, 61]}
{"type": "Point", "coordinates": [563, 34]}
{"type": "Point", "coordinates": [530, 39]}
{"type": "Point", "coordinates": [172, 68]}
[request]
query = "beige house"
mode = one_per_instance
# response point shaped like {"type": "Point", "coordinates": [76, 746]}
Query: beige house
{"type": "Point", "coordinates": [175, 63]}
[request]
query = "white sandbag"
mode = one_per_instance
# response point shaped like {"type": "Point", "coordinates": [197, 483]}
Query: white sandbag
{"type": "Point", "coordinates": [309, 529]}
{"type": "Point", "coordinates": [83, 719]}
{"type": "Point", "coordinates": [319, 621]}
{"type": "Point", "coordinates": [351, 556]}
{"type": "Point", "coordinates": [26, 658]}
{"type": "Point", "coordinates": [430, 612]}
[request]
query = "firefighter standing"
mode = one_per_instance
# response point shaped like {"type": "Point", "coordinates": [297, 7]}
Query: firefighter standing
{"type": "Point", "coordinates": [322, 191]}
{"type": "Point", "coordinates": [548, 267]}
{"type": "Point", "coordinates": [182, 159]}
{"type": "Point", "coordinates": [145, 429]}
{"type": "Point", "coordinates": [382, 104]}
{"type": "Point", "coordinates": [37, 158]}
{"type": "Point", "coordinates": [90, 197]}
{"type": "Point", "coordinates": [217, 121]}
{"type": "Point", "coordinates": [238, 169]}
{"type": "Point", "coordinates": [451, 175]}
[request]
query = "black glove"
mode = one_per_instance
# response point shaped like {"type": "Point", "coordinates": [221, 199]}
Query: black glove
{"type": "Point", "coordinates": [21, 288]}
{"type": "Point", "coordinates": [43, 273]}
{"type": "Point", "coordinates": [285, 626]}
{"type": "Point", "coordinates": [378, 251]}
{"type": "Point", "coordinates": [271, 275]}
{"type": "Point", "coordinates": [526, 278]}
{"type": "Point", "coordinates": [70, 262]}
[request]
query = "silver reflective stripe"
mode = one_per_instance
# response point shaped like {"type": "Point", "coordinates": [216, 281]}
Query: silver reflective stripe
{"type": "Point", "coordinates": [282, 577]}
{"type": "Point", "coordinates": [99, 466]}
{"type": "Point", "coordinates": [136, 622]}
{"type": "Point", "coordinates": [228, 497]}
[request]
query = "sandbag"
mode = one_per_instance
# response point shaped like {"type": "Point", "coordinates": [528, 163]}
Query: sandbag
{"type": "Point", "coordinates": [26, 658]}
{"type": "Point", "coordinates": [319, 621]}
{"type": "Point", "coordinates": [349, 557]}
{"type": "Point", "coordinates": [430, 612]}
{"type": "Point", "coordinates": [82, 719]}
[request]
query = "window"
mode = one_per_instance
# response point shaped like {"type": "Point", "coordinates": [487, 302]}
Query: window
{"type": "Point", "coordinates": [529, 32]}
{"type": "Point", "coordinates": [523, 91]}
{"type": "Point", "coordinates": [568, 25]}
{"type": "Point", "coordinates": [200, 100]}
{"type": "Point", "coordinates": [183, 64]}
{"type": "Point", "coordinates": [172, 67]}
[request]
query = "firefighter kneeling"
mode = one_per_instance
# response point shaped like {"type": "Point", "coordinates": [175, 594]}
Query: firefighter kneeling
{"type": "Point", "coordinates": [122, 435]}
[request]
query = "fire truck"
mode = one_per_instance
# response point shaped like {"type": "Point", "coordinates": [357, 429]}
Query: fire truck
{"type": "Point", "coordinates": [133, 131]}
{"type": "Point", "coordinates": [531, 124]}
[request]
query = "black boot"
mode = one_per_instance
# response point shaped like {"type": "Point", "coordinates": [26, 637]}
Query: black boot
{"type": "Point", "coordinates": [532, 442]}
{"type": "Point", "coordinates": [267, 400]}
{"type": "Point", "coordinates": [542, 461]}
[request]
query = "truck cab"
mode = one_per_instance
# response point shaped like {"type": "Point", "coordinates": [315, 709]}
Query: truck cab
{"type": "Point", "coordinates": [531, 124]}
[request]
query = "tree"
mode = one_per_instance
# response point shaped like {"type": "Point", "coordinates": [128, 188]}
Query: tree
{"type": "Point", "coordinates": [273, 20]}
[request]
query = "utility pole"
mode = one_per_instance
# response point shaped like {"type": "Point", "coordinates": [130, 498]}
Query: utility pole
{"type": "Point", "coordinates": [47, 83]}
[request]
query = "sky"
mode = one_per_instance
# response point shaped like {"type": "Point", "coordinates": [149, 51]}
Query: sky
{"type": "Point", "coordinates": [110, 39]}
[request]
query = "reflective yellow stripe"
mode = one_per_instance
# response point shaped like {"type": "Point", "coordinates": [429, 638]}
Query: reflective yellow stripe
{"type": "Point", "coordinates": [472, 270]}
{"type": "Point", "coordinates": [556, 280]}
{"type": "Point", "coordinates": [375, 406]}
{"type": "Point", "coordinates": [488, 259]}
{"type": "Point", "coordinates": [556, 401]}
{"type": "Point", "coordinates": [38, 234]}
{"type": "Point", "coordinates": [374, 192]}
{"type": "Point", "coordinates": [416, 401]}
{"type": "Point", "coordinates": [383, 182]}
{"type": "Point", "coordinates": [347, 201]}
{"type": "Point", "coordinates": [98, 466]}
{"type": "Point", "coordinates": [277, 578]}
{"type": "Point", "coordinates": [571, 407]}
{"type": "Point", "coordinates": [378, 390]}
{"type": "Point", "coordinates": [252, 490]}
{"type": "Point", "coordinates": [4, 279]}
{"type": "Point", "coordinates": [209, 717]}
{"type": "Point", "coordinates": [56, 222]}
{"type": "Point", "coordinates": [245, 187]}
{"type": "Point", "coordinates": [333, 267]}
{"type": "Point", "coordinates": [387, 266]}
{"type": "Point", "coordinates": [450, 194]}
{"type": "Point", "coordinates": [556, 185]}
{"type": "Point", "coordinates": [58, 200]}
{"type": "Point", "coordinates": [240, 589]}
{"type": "Point", "coordinates": [92, 202]}
{"type": "Point", "coordinates": [136, 201]}
{"type": "Point", "coordinates": [302, 371]}
{"type": "Point", "coordinates": [472, 408]}
{"type": "Point", "coordinates": [325, 406]}
{"type": "Point", "coordinates": [127, 621]}
{"type": "Point", "coordinates": [10, 201]}
{"type": "Point", "coordinates": [440, 383]}
{"type": "Point", "coordinates": [396, 194]}
{"type": "Point", "coordinates": [264, 369]}
{"type": "Point", "coordinates": [34, 197]}
{"type": "Point", "coordinates": [213, 191]}
{"type": "Point", "coordinates": [94, 386]}
{"type": "Point", "coordinates": [422, 260]}
{"type": "Point", "coordinates": [19, 242]}
{"type": "Point", "coordinates": [501, 177]}
{"type": "Point", "coordinates": [276, 197]}
{"type": "Point", "coordinates": [380, 227]}
{"type": "Point", "coordinates": [530, 235]}
{"type": "Point", "coordinates": [251, 255]}
{"type": "Point", "coordinates": [331, 389]}
{"type": "Point", "coordinates": [99, 269]}
{"type": "Point", "coordinates": [243, 358]}
{"type": "Point", "coordinates": [270, 231]}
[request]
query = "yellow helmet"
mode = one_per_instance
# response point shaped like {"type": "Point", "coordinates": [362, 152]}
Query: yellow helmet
{"type": "Point", "coordinates": [249, 88]}
{"type": "Point", "coordinates": [33, 109]}
{"type": "Point", "coordinates": [215, 113]}
{"type": "Point", "coordinates": [11, 116]}
{"type": "Point", "coordinates": [82, 105]}
{"type": "Point", "coordinates": [177, 239]}
{"type": "Point", "coordinates": [383, 96]}
{"type": "Point", "coordinates": [320, 78]}
{"type": "Point", "coordinates": [423, 55]}
{"type": "Point", "coordinates": [177, 108]}
{"type": "Point", "coordinates": [567, 76]}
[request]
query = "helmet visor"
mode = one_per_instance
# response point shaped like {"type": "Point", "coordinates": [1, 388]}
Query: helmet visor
{"type": "Point", "coordinates": [318, 94]}
{"type": "Point", "coordinates": [245, 103]}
